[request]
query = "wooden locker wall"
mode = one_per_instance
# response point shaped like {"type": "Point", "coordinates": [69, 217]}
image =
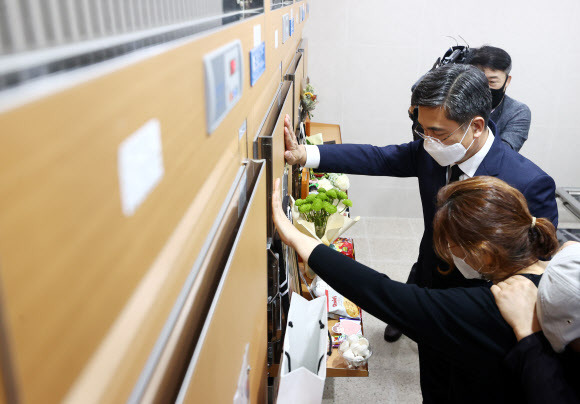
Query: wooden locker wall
{"type": "Point", "coordinates": [88, 290]}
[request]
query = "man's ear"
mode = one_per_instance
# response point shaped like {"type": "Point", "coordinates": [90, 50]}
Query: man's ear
{"type": "Point", "coordinates": [509, 80]}
{"type": "Point", "coordinates": [478, 125]}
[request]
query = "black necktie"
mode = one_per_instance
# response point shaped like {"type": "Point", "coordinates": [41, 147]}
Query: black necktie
{"type": "Point", "coordinates": [455, 173]}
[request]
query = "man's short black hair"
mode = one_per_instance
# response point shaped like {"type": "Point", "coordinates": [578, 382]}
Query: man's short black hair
{"type": "Point", "coordinates": [462, 91]}
{"type": "Point", "coordinates": [491, 57]}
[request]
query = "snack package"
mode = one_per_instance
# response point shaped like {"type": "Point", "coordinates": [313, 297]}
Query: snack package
{"type": "Point", "coordinates": [337, 339]}
{"type": "Point", "coordinates": [338, 305]}
{"type": "Point", "coordinates": [342, 330]}
{"type": "Point", "coordinates": [344, 245]}
{"type": "Point", "coordinates": [349, 327]}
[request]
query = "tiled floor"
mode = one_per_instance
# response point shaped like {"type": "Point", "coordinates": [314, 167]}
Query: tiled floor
{"type": "Point", "coordinates": [391, 246]}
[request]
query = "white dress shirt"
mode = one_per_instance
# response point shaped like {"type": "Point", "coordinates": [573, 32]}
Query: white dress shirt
{"type": "Point", "coordinates": [470, 166]}
{"type": "Point", "coordinates": [312, 156]}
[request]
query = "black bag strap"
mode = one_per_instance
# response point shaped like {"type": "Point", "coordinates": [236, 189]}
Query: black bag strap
{"type": "Point", "coordinates": [321, 325]}
{"type": "Point", "coordinates": [289, 366]}
{"type": "Point", "coordinates": [320, 363]}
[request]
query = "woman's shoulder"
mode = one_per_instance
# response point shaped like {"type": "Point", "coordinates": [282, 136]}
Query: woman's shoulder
{"type": "Point", "coordinates": [535, 278]}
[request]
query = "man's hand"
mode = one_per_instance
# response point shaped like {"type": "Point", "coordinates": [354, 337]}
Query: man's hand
{"type": "Point", "coordinates": [516, 299]}
{"type": "Point", "coordinates": [295, 153]}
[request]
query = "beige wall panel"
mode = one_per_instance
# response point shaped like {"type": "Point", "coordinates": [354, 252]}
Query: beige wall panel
{"type": "Point", "coordinates": [70, 259]}
{"type": "Point", "coordinates": [87, 290]}
{"type": "Point", "coordinates": [261, 106]}
{"type": "Point", "coordinates": [274, 56]}
{"type": "Point", "coordinates": [239, 318]}
{"type": "Point", "coordinates": [278, 141]}
{"type": "Point", "coordinates": [285, 51]}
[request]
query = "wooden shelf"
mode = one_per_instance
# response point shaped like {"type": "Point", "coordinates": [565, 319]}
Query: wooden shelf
{"type": "Point", "coordinates": [335, 365]}
{"type": "Point", "coordinates": [330, 131]}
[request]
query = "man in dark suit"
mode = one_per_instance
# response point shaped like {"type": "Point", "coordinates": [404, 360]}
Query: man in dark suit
{"type": "Point", "coordinates": [457, 141]}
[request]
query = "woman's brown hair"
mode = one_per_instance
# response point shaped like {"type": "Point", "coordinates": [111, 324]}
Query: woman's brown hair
{"type": "Point", "coordinates": [491, 222]}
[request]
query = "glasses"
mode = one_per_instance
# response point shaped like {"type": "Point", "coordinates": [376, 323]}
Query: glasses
{"type": "Point", "coordinates": [419, 131]}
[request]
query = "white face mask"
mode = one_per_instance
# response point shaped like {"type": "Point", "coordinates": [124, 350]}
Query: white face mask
{"type": "Point", "coordinates": [466, 270]}
{"type": "Point", "coordinates": [443, 154]}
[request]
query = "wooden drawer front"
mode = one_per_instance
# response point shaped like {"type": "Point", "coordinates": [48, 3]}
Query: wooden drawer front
{"type": "Point", "coordinates": [238, 318]}
{"type": "Point", "coordinates": [270, 142]}
{"type": "Point", "coordinates": [298, 87]}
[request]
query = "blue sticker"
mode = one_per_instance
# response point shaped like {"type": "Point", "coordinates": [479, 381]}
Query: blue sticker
{"type": "Point", "coordinates": [257, 62]}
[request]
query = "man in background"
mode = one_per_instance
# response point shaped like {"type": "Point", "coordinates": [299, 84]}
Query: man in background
{"type": "Point", "coordinates": [511, 117]}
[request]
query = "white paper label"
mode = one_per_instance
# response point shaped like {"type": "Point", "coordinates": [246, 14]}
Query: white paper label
{"type": "Point", "coordinates": [276, 39]}
{"type": "Point", "coordinates": [257, 35]}
{"type": "Point", "coordinates": [242, 130]}
{"type": "Point", "coordinates": [140, 159]}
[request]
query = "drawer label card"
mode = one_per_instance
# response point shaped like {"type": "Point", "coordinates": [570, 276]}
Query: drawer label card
{"type": "Point", "coordinates": [140, 165]}
{"type": "Point", "coordinates": [285, 28]}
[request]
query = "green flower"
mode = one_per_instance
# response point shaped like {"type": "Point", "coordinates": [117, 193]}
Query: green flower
{"type": "Point", "coordinates": [317, 205]}
{"type": "Point", "coordinates": [299, 202]}
{"type": "Point", "coordinates": [347, 202]}
{"type": "Point", "coordinates": [310, 198]}
{"type": "Point", "coordinates": [329, 208]}
{"type": "Point", "coordinates": [342, 195]}
{"type": "Point", "coordinates": [305, 208]}
{"type": "Point", "coordinates": [321, 190]}
{"type": "Point", "coordinates": [322, 197]}
{"type": "Point", "coordinates": [332, 194]}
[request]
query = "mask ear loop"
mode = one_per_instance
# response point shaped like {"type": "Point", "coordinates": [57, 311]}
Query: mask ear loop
{"type": "Point", "coordinates": [465, 257]}
{"type": "Point", "coordinates": [482, 262]}
{"type": "Point", "coordinates": [503, 89]}
{"type": "Point", "coordinates": [465, 134]}
{"type": "Point", "coordinates": [451, 268]}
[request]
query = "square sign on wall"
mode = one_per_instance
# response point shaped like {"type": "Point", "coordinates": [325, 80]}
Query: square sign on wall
{"type": "Point", "coordinates": [223, 82]}
{"type": "Point", "coordinates": [257, 62]}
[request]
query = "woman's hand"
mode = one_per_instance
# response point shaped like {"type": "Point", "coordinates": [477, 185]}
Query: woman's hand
{"type": "Point", "coordinates": [516, 299]}
{"type": "Point", "coordinates": [289, 234]}
{"type": "Point", "coordinates": [285, 228]}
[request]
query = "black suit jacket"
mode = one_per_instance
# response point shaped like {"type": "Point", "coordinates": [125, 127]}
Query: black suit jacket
{"type": "Point", "coordinates": [411, 160]}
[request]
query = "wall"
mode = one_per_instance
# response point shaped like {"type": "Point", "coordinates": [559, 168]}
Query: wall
{"type": "Point", "coordinates": [365, 55]}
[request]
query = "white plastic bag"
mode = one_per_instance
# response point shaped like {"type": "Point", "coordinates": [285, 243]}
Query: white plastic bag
{"type": "Point", "coordinates": [304, 360]}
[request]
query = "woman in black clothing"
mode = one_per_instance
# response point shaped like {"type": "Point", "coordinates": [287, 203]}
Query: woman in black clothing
{"type": "Point", "coordinates": [484, 227]}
